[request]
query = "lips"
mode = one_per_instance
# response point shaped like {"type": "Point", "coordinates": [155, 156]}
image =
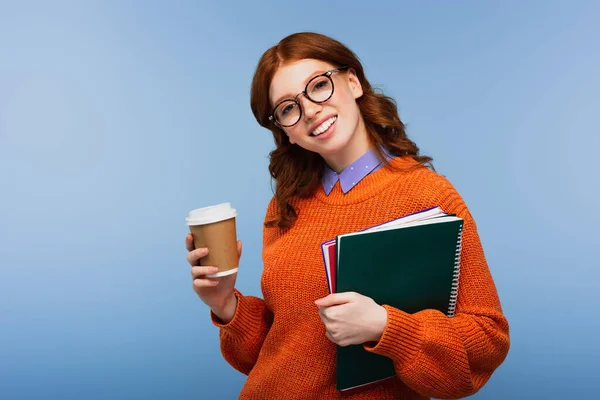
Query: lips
{"type": "Point", "coordinates": [323, 125]}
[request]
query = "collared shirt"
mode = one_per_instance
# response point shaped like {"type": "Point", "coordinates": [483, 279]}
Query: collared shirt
{"type": "Point", "coordinates": [351, 175]}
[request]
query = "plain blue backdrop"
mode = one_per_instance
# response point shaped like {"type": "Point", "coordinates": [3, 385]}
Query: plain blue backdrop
{"type": "Point", "coordinates": [118, 117]}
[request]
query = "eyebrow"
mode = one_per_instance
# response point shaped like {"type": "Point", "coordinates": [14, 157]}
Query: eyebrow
{"type": "Point", "coordinates": [290, 96]}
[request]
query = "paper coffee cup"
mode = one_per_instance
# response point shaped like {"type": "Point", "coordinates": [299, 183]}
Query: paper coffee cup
{"type": "Point", "coordinates": [214, 227]}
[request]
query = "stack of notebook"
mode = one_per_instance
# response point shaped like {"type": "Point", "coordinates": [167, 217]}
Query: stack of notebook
{"type": "Point", "coordinates": [411, 263]}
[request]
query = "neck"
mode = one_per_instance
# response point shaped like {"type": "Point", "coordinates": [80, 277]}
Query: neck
{"type": "Point", "coordinates": [358, 145]}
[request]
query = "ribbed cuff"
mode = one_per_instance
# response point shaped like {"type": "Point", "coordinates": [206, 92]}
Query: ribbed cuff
{"type": "Point", "coordinates": [401, 339]}
{"type": "Point", "coordinates": [247, 320]}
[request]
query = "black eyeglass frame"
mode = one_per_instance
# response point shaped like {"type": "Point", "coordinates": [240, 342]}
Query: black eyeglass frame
{"type": "Point", "coordinates": [304, 92]}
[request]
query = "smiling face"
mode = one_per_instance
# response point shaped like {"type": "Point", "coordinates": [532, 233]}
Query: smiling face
{"type": "Point", "coordinates": [335, 128]}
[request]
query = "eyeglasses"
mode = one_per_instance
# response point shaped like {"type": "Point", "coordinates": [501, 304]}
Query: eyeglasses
{"type": "Point", "coordinates": [318, 90]}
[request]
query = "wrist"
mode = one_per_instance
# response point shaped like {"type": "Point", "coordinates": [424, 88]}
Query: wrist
{"type": "Point", "coordinates": [380, 324]}
{"type": "Point", "coordinates": [226, 311]}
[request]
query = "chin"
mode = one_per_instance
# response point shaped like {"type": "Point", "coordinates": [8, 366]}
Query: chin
{"type": "Point", "coordinates": [331, 150]}
{"type": "Point", "coordinates": [339, 141]}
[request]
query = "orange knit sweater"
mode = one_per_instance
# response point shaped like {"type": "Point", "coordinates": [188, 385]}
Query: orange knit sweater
{"type": "Point", "coordinates": [280, 342]}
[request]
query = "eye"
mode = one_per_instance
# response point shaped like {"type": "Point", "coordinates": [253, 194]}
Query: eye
{"type": "Point", "coordinates": [321, 84]}
{"type": "Point", "coordinates": [287, 108]}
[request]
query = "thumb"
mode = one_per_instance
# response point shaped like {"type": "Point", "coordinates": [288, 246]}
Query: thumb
{"type": "Point", "coordinates": [239, 248]}
{"type": "Point", "coordinates": [334, 299]}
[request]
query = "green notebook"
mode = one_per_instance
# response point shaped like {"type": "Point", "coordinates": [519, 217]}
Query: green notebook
{"type": "Point", "coordinates": [411, 267]}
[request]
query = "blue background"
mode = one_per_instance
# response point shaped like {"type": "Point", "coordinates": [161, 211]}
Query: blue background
{"type": "Point", "coordinates": [116, 118]}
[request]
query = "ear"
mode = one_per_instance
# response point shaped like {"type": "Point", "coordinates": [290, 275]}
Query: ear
{"type": "Point", "coordinates": [354, 84]}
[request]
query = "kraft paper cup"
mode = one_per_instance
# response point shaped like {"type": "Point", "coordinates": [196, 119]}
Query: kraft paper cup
{"type": "Point", "coordinates": [214, 227]}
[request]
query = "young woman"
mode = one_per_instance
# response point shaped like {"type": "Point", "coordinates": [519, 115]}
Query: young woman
{"type": "Point", "coordinates": [342, 163]}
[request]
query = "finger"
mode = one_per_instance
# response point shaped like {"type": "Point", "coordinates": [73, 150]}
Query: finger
{"type": "Point", "coordinates": [195, 255]}
{"type": "Point", "coordinates": [199, 272]}
{"type": "Point", "coordinates": [239, 248]}
{"type": "Point", "coordinates": [204, 283]}
{"type": "Point", "coordinates": [335, 299]}
{"type": "Point", "coordinates": [322, 315]}
{"type": "Point", "coordinates": [329, 336]}
{"type": "Point", "coordinates": [189, 242]}
{"type": "Point", "coordinates": [326, 313]}
{"type": "Point", "coordinates": [331, 314]}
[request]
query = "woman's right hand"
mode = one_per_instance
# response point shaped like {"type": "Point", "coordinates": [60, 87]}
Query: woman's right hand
{"type": "Point", "coordinates": [216, 293]}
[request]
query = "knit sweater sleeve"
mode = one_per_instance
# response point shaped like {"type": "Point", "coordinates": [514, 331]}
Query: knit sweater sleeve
{"type": "Point", "coordinates": [242, 338]}
{"type": "Point", "coordinates": [454, 357]}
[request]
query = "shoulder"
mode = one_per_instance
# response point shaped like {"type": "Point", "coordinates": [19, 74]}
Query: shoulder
{"type": "Point", "coordinates": [271, 207]}
{"type": "Point", "coordinates": [272, 211]}
{"type": "Point", "coordinates": [419, 177]}
{"type": "Point", "coordinates": [426, 186]}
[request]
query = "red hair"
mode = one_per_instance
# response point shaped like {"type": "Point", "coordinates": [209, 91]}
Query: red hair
{"type": "Point", "coordinates": [297, 172]}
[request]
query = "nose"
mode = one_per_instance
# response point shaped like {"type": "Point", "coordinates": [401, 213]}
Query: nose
{"type": "Point", "coordinates": [310, 109]}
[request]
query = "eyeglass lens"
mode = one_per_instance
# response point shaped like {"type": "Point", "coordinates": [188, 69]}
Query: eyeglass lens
{"type": "Point", "coordinates": [318, 90]}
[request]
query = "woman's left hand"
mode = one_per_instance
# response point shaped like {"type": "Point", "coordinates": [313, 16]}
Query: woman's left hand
{"type": "Point", "coordinates": [351, 318]}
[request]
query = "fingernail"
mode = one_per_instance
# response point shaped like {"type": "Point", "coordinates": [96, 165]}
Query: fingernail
{"type": "Point", "coordinates": [203, 251]}
{"type": "Point", "coordinates": [214, 270]}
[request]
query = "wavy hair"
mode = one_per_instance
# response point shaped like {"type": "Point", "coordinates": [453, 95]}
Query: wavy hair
{"type": "Point", "coordinates": [297, 172]}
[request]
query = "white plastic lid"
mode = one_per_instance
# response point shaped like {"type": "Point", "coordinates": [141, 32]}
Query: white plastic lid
{"type": "Point", "coordinates": [208, 215]}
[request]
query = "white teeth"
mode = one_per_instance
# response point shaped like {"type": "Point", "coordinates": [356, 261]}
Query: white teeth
{"type": "Point", "coordinates": [324, 126]}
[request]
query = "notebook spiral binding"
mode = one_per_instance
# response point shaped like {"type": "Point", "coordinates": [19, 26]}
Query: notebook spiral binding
{"type": "Point", "coordinates": [455, 279]}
